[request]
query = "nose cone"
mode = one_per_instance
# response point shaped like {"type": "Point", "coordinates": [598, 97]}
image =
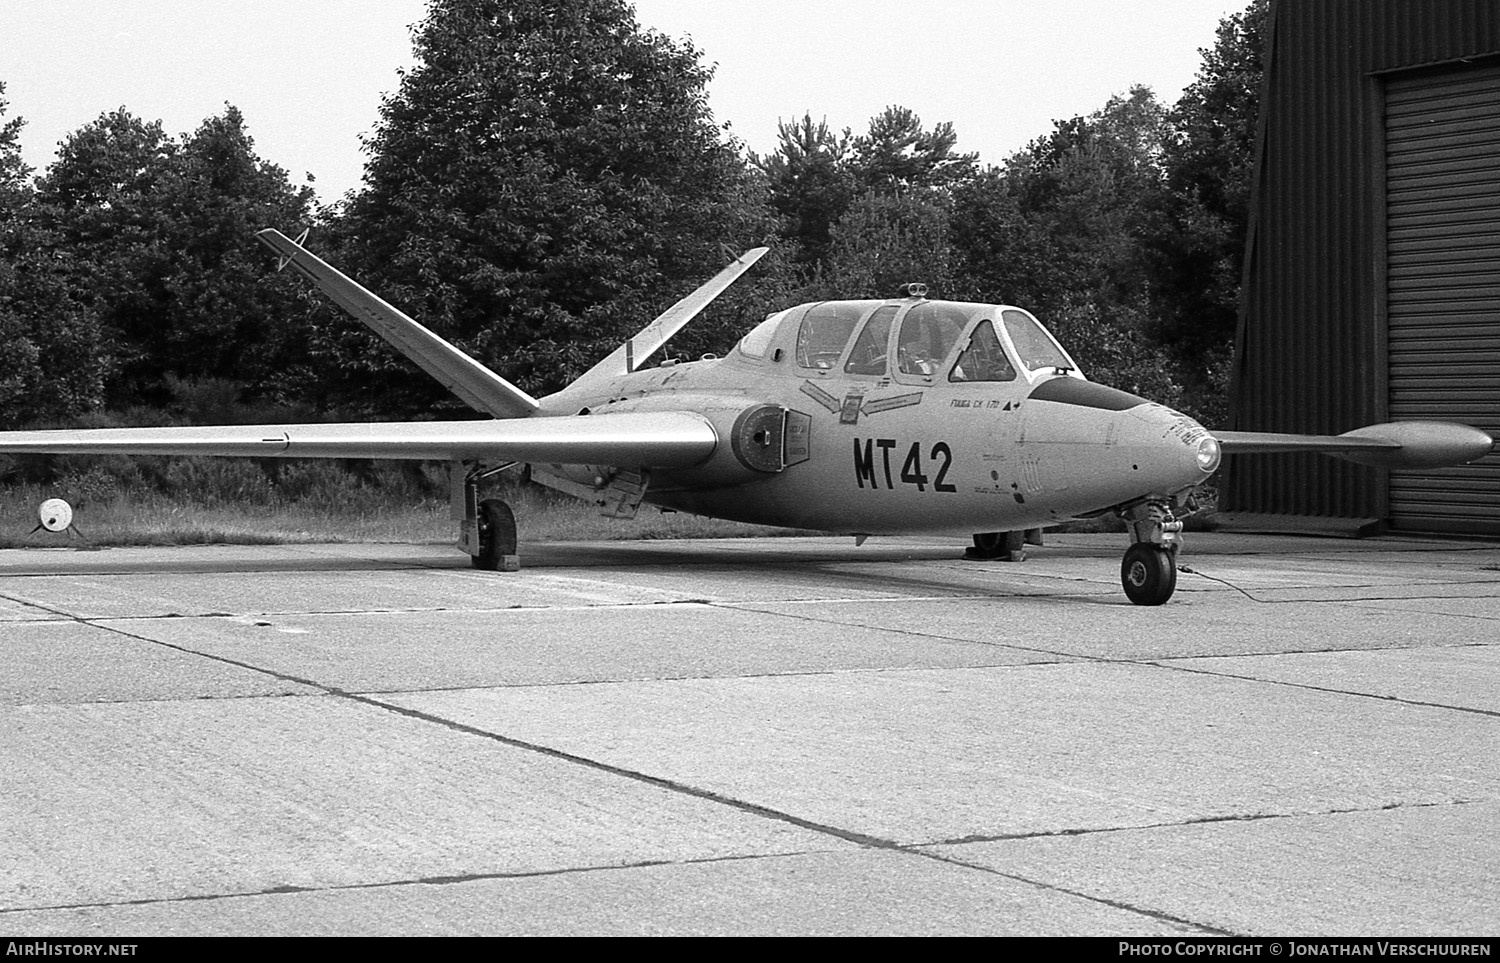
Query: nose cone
{"type": "Point", "coordinates": [1181, 451]}
{"type": "Point", "coordinates": [1094, 447]}
{"type": "Point", "coordinates": [1173, 446]}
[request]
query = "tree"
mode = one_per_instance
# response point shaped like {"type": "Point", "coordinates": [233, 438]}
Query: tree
{"type": "Point", "coordinates": [1196, 243]}
{"type": "Point", "coordinates": [229, 315]}
{"type": "Point", "coordinates": [1060, 221]}
{"type": "Point", "coordinates": [543, 174]}
{"type": "Point", "coordinates": [1057, 230]}
{"type": "Point", "coordinates": [899, 154]}
{"type": "Point", "coordinates": [885, 241]}
{"type": "Point", "coordinates": [51, 365]}
{"type": "Point", "coordinates": [14, 172]}
{"type": "Point", "coordinates": [1000, 251]}
{"type": "Point", "coordinates": [810, 185]}
{"type": "Point", "coordinates": [873, 212]}
{"type": "Point", "coordinates": [162, 237]}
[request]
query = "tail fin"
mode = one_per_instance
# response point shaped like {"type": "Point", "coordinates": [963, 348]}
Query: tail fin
{"type": "Point", "coordinates": [473, 383]}
{"type": "Point", "coordinates": [634, 352]}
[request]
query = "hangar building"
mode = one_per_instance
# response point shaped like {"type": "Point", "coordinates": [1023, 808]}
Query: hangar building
{"type": "Point", "coordinates": [1372, 272]}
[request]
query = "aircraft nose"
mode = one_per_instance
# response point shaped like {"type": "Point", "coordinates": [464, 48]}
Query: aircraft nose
{"type": "Point", "coordinates": [1097, 446]}
{"type": "Point", "coordinates": [1183, 450]}
{"type": "Point", "coordinates": [1178, 445]}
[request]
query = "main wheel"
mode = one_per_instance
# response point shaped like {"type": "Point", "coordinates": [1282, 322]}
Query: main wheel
{"type": "Point", "coordinates": [497, 538]}
{"type": "Point", "coordinates": [988, 544]}
{"type": "Point", "coordinates": [1149, 573]}
{"type": "Point", "coordinates": [1005, 546]}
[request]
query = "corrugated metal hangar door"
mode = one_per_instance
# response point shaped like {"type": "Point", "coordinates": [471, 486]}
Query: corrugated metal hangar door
{"type": "Point", "coordinates": [1443, 295]}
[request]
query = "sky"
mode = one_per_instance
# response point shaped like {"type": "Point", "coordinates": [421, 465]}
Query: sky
{"type": "Point", "coordinates": [308, 75]}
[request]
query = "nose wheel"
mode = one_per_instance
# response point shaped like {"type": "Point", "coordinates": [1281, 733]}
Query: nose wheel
{"type": "Point", "coordinates": [1149, 573]}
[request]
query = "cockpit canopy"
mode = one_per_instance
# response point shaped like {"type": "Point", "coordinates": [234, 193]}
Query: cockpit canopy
{"type": "Point", "coordinates": [911, 340]}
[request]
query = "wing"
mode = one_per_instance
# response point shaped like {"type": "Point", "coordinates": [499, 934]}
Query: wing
{"type": "Point", "coordinates": [647, 440]}
{"type": "Point", "coordinates": [1404, 444]}
{"type": "Point", "coordinates": [476, 385]}
{"type": "Point", "coordinates": [633, 353]}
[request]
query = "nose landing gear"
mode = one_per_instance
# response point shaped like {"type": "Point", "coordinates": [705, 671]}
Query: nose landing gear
{"type": "Point", "coordinates": [1149, 573]}
{"type": "Point", "coordinates": [1149, 570]}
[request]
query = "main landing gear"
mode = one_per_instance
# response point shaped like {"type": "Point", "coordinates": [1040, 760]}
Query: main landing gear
{"type": "Point", "coordinates": [1149, 570]}
{"type": "Point", "coordinates": [487, 529]}
{"type": "Point", "coordinates": [1003, 546]}
{"type": "Point", "coordinates": [497, 538]}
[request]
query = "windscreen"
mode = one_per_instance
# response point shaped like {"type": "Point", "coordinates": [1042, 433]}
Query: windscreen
{"type": "Point", "coordinates": [1034, 345]}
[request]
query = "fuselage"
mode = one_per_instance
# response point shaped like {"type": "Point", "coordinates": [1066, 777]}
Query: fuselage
{"type": "Point", "coordinates": [906, 416]}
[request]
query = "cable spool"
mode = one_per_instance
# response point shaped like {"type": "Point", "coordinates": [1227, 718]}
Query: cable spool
{"type": "Point", "coordinates": [55, 515]}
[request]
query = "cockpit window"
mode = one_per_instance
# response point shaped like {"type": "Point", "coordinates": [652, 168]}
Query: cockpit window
{"type": "Point", "coordinates": [984, 359]}
{"type": "Point", "coordinates": [1034, 346]}
{"type": "Point", "coordinates": [868, 356]}
{"type": "Point", "coordinates": [755, 343]}
{"type": "Point", "coordinates": [824, 332]}
{"type": "Point", "coordinates": [928, 333]}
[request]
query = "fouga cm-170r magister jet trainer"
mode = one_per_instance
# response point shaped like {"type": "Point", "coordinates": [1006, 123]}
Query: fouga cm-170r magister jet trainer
{"type": "Point", "coordinates": [864, 417]}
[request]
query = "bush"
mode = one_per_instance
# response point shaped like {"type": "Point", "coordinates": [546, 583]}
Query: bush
{"type": "Point", "coordinates": [91, 486]}
{"type": "Point", "coordinates": [212, 481]}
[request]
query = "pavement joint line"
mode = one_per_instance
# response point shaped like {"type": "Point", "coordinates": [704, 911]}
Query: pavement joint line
{"type": "Point", "coordinates": [1166, 664]}
{"type": "Point", "coordinates": [1197, 821]}
{"type": "Point", "coordinates": [1061, 656]}
{"type": "Point", "coordinates": [1357, 598]}
{"type": "Point", "coordinates": [1080, 595]}
{"type": "Point", "coordinates": [229, 617]}
{"type": "Point", "coordinates": [1064, 658]}
{"type": "Point", "coordinates": [447, 880]}
{"type": "Point", "coordinates": [861, 839]}
{"type": "Point", "coordinates": [1452, 615]}
{"type": "Point", "coordinates": [194, 570]}
{"type": "Point", "coordinates": [416, 610]}
{"type": "Point", "coordinates": [495, 610]}
{"type": "Point", "coordinates": [1018, 578]}
{"type": "Point", "coordinates": [670, 785]}
{"type": "Point", "coordinates": [62, 616]}
{"type": "Point", "coordinates": [1423, 647]}
{"type": "Point", "coordinates": [708, 795]}
{"type": "Point", "coordinates": [1079, 894]}
{"type": "Point", "coordinates": [794, 674]}
{"type": "Point", "coordinates": [1166, 917]}
{"type": "Point", "coordinates": [163, 701]}
{"type": "Point", "coordinates": [743, 805]}
{"type": "Point", "coordinates": [743, 604]}
{"type": "Point", "coordinates": [881, 599]}
{"type": "Point", "coordinates": [660, 782]}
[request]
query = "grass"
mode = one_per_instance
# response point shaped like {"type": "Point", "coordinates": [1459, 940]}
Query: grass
{"type": "Point", "coordinates": [152, 518]}
{"type": "Point", "coordinates": [207, 501]}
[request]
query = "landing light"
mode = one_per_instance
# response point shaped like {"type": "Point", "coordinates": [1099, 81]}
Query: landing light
{"type": "Point", "coordinates": [1209, 455]}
